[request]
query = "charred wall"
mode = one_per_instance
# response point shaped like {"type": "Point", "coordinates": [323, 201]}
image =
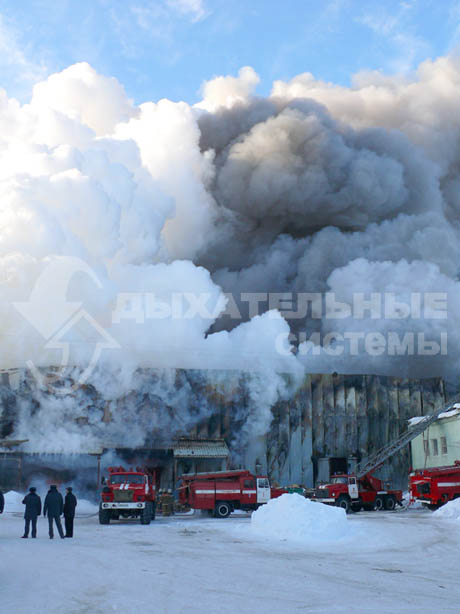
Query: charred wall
{"type": "Point", "coordinates": [341, 416]}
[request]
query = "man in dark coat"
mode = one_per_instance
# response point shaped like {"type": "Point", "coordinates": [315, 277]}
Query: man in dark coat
{"type": "Point", "coordinates": [70, 503]}
{"type": "Point", "coordinates": [2, 502]}
{"type": "Point", "coordinates": [54, 506]}
{"type": "Point", "coordinates": [33, 509]}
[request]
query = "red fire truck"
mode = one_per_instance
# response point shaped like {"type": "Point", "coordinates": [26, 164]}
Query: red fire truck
{"type": "Point", "coordinates": [435, 486]}
{"type": "Point", "coordinates": [354, 494]}
{"type": "Point", "coordinates": [128, 494]}
{"type": "Point", "coordinates": [362, 490]}
{"type": "Point", "coordinates": [222, 492]}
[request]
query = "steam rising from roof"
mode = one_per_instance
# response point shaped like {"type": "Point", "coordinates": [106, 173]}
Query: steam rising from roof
{"type": "Point", "coordinates": [316, 188]}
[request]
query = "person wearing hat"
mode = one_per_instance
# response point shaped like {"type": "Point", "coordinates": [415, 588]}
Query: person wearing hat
{"type": "Point", "coordinates": [33, 509]}
{"type": "Point", "coordinates": [53, 507]}
{"type": "Point", "coordinates": [70, 503]}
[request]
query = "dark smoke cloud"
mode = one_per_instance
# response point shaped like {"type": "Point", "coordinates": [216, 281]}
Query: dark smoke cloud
{"type": "Point", "coordinates": [317, 177]}
{"type": "Point", "coordinates": [317, 188]}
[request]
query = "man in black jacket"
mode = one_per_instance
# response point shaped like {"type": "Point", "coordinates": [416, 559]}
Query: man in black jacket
{"type": "Point", "coordinates": [53, 507]}
{"type": "Point", "coordinates": [70, 503]}
{"type": "Point", "coordinates": [33, 509]}
{"type": "Point", "coordinates": [2, 502]}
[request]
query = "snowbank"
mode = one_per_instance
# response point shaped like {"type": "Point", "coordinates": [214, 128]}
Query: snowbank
{"type": "Point", "coordinates": [450, 510]}
{"type": "Point", "coordinates": [86, 507]}
{"type": "Point", "coordinates": [292, 517]}
{"type": "Point", "coordinates": [13, 501]}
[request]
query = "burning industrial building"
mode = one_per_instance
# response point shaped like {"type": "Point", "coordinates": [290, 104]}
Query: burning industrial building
{"type": "Point", "coordinates": [326, 424]}
{"type": "Point", "coordinates": [170, 271]}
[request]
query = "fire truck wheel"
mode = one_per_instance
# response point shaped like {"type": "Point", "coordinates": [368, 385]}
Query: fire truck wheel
{"type": "Point", "coordinates": [222, 510]}
{"type": "Point", "coordinates": [104, 516]}
{"type": "Point", "coordinates": [146, 515]}
{"type": "Point", "coordinates": [356, 507]}
{"type": "Point", "coordinates": [390, 503]}
{"type": "Point", "coordinates": [379, 503]}
{"type": "Point", "coordinates": [344, 503]}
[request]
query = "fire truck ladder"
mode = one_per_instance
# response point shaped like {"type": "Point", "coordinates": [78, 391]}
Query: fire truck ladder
{"type": "Point", "coordinates": [381, 456]}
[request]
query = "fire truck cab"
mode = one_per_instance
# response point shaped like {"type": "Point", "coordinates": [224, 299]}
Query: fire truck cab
{"type": "Point", "coordinates": [354, 494]}
{"type": "Point", "coordinates": [127, 494]}
{"type": "Point", "coordinates": [435, 486]}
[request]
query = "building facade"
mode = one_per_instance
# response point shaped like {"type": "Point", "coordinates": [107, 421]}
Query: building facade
{"type": "Point", "coordinates": [327, 424]}
{"type": "Point", "coordinates": [439, 445]}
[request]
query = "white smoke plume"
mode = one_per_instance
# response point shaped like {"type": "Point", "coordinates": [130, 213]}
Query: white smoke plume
{"type": "Point", "coordinates": [86, 175]}
{"type": "Point", "coordinates": [317, 188]}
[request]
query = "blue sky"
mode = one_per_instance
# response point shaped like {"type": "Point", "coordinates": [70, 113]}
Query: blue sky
{"type": "Point", "coordinates": [167, 48]}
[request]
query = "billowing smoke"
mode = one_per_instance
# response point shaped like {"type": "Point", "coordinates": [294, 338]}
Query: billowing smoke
{"type": "Point", "coordinates": [353, 192]}
{"type": "Point", "coordinates": [179, 213]}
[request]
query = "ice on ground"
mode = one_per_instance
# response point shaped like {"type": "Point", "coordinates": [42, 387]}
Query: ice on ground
{"type": "Point", "coordinates": [450, 510]}
{"type": "Point", "coordinates": [292, 517]}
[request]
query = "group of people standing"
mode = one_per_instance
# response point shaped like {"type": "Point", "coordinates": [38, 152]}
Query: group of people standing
{"type": "Point", "coordinates": [53, 508]}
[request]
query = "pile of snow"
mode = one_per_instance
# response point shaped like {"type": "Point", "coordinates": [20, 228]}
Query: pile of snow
{"type": "Point", "coordinates": [455, 411]}
{"type": "Point", "coordinates": [13, 501]}
{"type": "Point", "coordinates": [293, 517]}
{"type": "Point", "coordinates": [416, 420]}
{"type": "Point", "coordinates": [86, 507]}
{"type": "Point", "coordinates": [409, 504]}
{"type": "Point", "coordinates": [450, 413]}
{"type": "Point", "coordinates": [450, 510]}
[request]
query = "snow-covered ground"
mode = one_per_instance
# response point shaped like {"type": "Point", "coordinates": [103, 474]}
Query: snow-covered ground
{"type": "Point", "coordinates": [403, 561]}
